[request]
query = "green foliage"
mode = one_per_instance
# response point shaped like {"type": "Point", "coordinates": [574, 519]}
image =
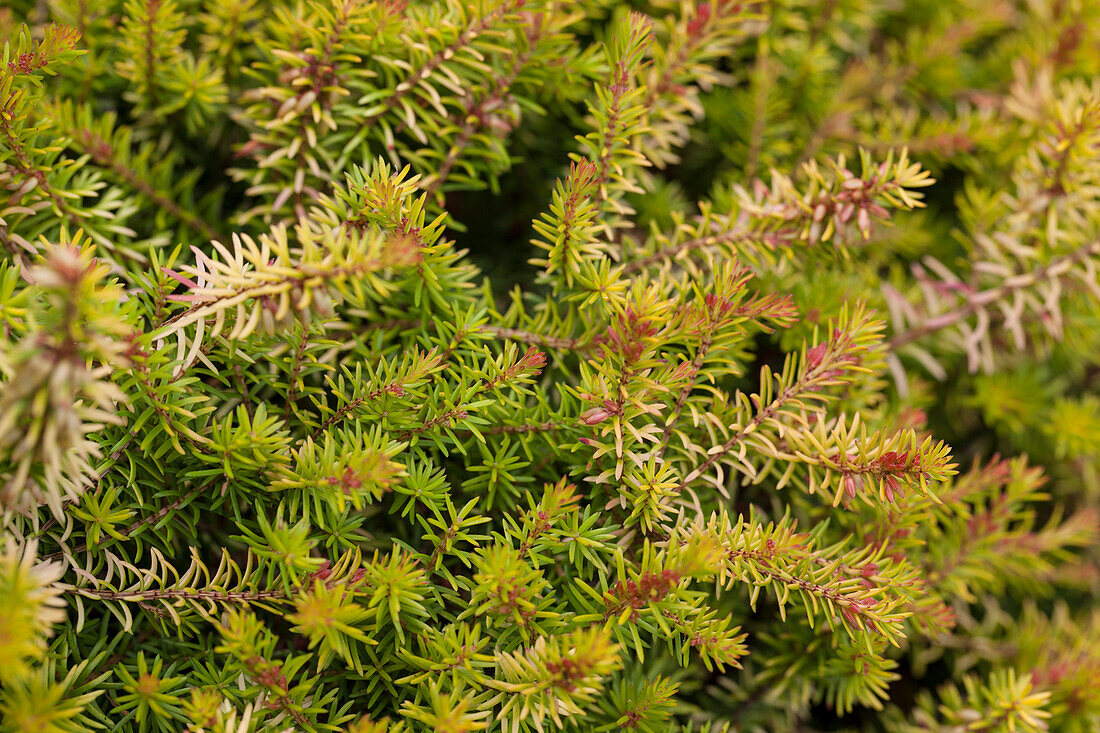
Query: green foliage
{"type": "Point", "coordinates": [276, 455]}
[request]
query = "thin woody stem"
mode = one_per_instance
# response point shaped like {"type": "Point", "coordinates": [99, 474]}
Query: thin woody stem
{"type": "Point", "coordinates": [803, 384]}
{"type": "Point", "coordinates": [102, 153]}
{"type": "Point", "coordinates": [193, 594]}
{"type": "Point", "coordinates": [476, 27]}
{"type": "Point", "coordinates": [681, 398]}
{"type": "Point", "coordinates": [474, 116]}
{"type": "Point", "coordinates": [153, 518]}
{"type": "Point", "coordinates": [980, 300]}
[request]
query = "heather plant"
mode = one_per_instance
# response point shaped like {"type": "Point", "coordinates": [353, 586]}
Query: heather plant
{"type": "Point", "coordinates": [776, 413]}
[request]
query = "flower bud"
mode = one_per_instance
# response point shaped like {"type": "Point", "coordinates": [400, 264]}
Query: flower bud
{"type": "Point", "coordinates": [594, 416]}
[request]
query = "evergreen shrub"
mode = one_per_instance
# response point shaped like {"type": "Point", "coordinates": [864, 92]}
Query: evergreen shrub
{"type": "Point", "coordinates": [538, 365]}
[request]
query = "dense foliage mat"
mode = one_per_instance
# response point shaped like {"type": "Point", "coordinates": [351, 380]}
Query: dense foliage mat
{"type": "Point", "coordinates": [505, 365]}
